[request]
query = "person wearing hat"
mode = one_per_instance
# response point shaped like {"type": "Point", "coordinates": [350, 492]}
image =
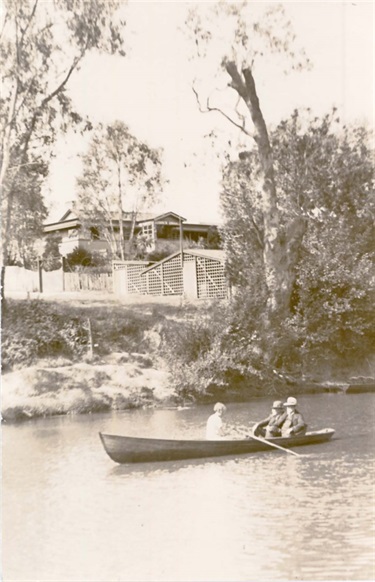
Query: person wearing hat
{"type": "Point", "coordinates": [294, 423]}
{"type": "Point", "coordinates": [271, 426]}
{"type": "Point", "coordinates": [215, 424]}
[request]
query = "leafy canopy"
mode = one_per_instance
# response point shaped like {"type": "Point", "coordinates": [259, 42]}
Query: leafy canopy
{"type": "Point", "coordinates": [119, 172]}
{"type": "Point", "coordinates": [42, 44]}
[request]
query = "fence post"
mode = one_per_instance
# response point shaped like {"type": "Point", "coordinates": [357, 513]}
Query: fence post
{"type": "Point", "coordinates": [40, 276]}
{"type": "Point", "coordinates": [91, 347]}
{"type": "Point", "coordinates": [63, 273]}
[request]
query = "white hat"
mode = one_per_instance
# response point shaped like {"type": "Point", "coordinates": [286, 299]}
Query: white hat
{"type": "Point", "coordinates": [291, 401]}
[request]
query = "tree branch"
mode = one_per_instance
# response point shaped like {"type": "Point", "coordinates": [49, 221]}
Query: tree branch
{"type": "Point", "coordinates": [258, 232]}
{"type": "Point", "coordinates": [49, 97]}
{"type": "Point", "coordinates": [237, 83]}
{"type": "Point", "coordinates": [24, 97]}
{"type": "Point", "coordinates": [210, 109]}
{"type": "Point", "coordinates": [6, 18]}
{"type": "Point", "coordinates": [23, 32]}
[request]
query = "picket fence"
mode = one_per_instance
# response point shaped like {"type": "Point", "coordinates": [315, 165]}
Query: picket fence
{"type": "Point", "coordinates": [18, 279]}
{"type": "Point", "coordinates": [88, 282]}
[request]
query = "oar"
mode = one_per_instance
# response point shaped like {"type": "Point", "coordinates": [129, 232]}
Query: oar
{"type": "Point", "coordinates": [271, 444]}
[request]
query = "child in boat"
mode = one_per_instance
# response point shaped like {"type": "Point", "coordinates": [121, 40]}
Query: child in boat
{"type": "Point", "coordinates": [215, 424]}
{"type": "Point", "coordinates": [271, 426]}
{"type": "Point", "coordinates": [294, 423]}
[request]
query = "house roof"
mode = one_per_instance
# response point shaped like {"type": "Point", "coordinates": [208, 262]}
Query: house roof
{"type": "Point", "coordinates": [71, 220]}
{"type": "Point", "coordinates": [160, 217]}
{"type": "Point", "coordinates": [215, 254]}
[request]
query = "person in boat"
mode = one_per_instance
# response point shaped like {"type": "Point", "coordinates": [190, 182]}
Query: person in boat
{"type": "Point", "coordinates": [271, 426]}
{"type": "Point", "coordinates": [215, 423]}
{"type": "Point", "coordinates": [294, 423]}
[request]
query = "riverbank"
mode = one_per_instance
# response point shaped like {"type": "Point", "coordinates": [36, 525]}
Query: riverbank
{"type": "Point", "coordinates": [119, 381]}
{"type": "Point", "coordinates": [88, 354]}
{"type": "Point", "coordinates": [115, 382]}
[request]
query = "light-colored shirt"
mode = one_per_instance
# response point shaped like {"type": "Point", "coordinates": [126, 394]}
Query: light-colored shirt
{"type": "Point", "coordinates": [214, 428]}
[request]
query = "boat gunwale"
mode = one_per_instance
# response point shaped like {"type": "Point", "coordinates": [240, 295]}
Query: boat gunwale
{"type": "Point", "coordinates": [276, 440]}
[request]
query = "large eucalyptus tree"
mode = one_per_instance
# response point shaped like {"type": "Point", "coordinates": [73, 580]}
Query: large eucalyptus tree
{"type": "Point", "coordinates": [233, 39]}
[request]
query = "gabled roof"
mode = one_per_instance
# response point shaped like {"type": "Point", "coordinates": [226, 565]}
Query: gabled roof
{"type": "Point", "coordinates": [215, 254]}
{"type": "Point", "coordinates": [67, 213]}
{"type": "Point", "coordinates": [162, 216]}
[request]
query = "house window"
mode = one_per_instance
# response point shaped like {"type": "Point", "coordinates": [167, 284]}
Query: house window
{"type": "Point", "coordinates": [148, 230]}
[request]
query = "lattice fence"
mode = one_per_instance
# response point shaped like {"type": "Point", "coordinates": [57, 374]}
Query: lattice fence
{"type": "Point", "coordinates": [211, 279]}
{"type": "Point", "coordinates": [136, 283]}
{"type": "Point", "coordinates": [127, 277]}
{"type": "Point", "coordinates": [154, 280]}
{"type": "Point", "coordinates": [172, 277]}
{"type": "Point", "coordinates": [165, 279]}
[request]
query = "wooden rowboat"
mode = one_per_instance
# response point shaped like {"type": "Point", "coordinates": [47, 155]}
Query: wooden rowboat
{"type": "Point", "coordinates": [123, 449]}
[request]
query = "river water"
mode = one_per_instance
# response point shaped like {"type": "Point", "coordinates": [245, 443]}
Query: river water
{"type": "Point", "coordinates": [71, 514]}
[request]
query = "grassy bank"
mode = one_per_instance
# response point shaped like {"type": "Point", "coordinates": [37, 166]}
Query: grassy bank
{"type": "Point", "coordinates": [93, 354]}
{"type": "Point", "coordinates": [85, 356]}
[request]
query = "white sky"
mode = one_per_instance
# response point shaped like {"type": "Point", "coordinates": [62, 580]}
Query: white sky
{"type": "Point", "coordinates": [150, 90]}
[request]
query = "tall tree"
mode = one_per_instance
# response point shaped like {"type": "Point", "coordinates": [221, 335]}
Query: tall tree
{"type": "Point", "coordinates": [119, 171]}
{"type": "Point", "coordinates": [237, 39]}
{"type": "Point", "coordinates": [42, 44]}
{"type": "Point", "coordinates": [325, 177]}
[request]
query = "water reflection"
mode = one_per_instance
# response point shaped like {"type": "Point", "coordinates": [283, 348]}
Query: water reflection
{"type": "Point", "coordinates": [70, 513]}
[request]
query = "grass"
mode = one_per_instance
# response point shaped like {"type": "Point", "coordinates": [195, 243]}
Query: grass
{"type": "Point", "coordinates": [49, 371]}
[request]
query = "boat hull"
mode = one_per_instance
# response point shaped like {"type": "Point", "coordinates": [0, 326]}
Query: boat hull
{"type": "Point", "coordinates": [123, 449]}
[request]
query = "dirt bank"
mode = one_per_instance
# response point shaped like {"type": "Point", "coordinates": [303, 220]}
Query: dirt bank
{"type": "Point", "coordinates": [119, 381]}
{"type": "Point", "coordinates": [121, 367]}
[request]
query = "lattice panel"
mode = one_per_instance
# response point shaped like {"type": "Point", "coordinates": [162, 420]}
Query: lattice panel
{"type": "Point", "coordinates": [119, 266]}
{"type": "Point", "coordinates": [172, 277]}
{"type": "Point", "coordinates": [154, 280]}
{"type": "Point", "coordinates": [136, 283]}
{"type": "Point", "coordinates": [211, 279]}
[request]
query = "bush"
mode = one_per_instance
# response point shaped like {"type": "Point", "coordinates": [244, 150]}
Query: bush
{"type": "Point", "coordinates": [81, 259]}
{"type": "Point", "coordinates": [38, 329]}
{"type": "Point", "coordinates": [35, 329]}
{"type": "Point", "coordinates": [119, 330]}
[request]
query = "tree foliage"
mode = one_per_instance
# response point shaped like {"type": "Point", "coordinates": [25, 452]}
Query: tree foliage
{"type": "Point", "coordinates": [27, 216]}
{"type": "Point", "coordinates": [325, 178]}
{"type": "Point", "coordinates": [119, 171]}
{"type": "Point", "coordinates": [80, 259]}
{"type": "Point", "coordinates": [51, 258]}
{"type": "Point", "coordinates": [42, 44]}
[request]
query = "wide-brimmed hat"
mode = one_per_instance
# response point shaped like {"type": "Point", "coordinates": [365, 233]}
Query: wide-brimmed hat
{"type": "Point", "coordinates": [277, 404]}
{"type": "Point", "coordinates": [219, 406]}
{"type": "Point", "coordinates": [291, 401]}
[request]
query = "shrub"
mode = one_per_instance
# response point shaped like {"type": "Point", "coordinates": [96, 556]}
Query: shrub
{"type": "Point", "coordinates": [35, 329]}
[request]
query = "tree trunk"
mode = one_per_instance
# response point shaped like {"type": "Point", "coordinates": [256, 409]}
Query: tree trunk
{"type": "Point", "coordinates": [278, 270]}
{"type": "Point", "coordinates": [120, 213]}
{"type": "Point", "coordinates": [6, 194]}
{"type": "Point", "coordinates": [132, 228]}
{"type": "Point", "coordinates": [2, 283]}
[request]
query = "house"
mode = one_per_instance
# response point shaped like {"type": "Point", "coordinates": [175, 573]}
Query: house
{"type": "Point", "coordinates": [163, 232]}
